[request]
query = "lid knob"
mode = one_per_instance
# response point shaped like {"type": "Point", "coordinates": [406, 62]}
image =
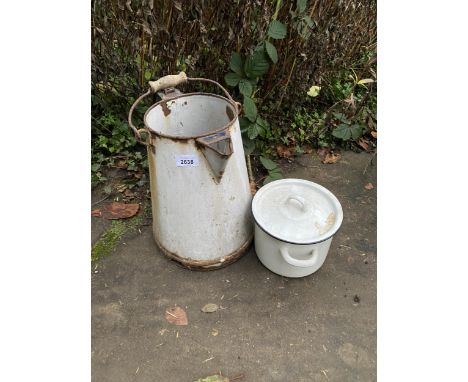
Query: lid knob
{"type": "Point", "coordinates": [299, 199]}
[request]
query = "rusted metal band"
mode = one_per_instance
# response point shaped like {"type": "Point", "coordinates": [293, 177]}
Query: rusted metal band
{"type": "Point", "coordinates": [162, 103]}
{"type": "Point", "coordinates": [206, 265]}
{"type": "Point", "coordinates": [136, 131]}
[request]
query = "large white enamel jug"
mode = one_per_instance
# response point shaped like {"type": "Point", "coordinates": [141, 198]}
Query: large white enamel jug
{"type": "Point", "coordinates": [200, 191]}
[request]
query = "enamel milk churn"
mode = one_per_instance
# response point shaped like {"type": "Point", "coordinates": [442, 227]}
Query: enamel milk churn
{"type": "Point", "coordinates": [200, 191]}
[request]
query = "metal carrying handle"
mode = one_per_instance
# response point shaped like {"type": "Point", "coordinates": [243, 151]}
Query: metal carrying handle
{"type": "Point", "coordinates": [165, 82]}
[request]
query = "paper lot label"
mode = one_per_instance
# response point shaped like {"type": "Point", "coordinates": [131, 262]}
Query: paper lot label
{"type": "Point", "coordinates": [187, 160]}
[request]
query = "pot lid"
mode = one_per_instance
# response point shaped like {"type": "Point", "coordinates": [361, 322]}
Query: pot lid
{"type": "Point", "coordinates": [297, 211]}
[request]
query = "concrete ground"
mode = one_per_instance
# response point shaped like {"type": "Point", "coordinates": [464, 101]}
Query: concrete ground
{"type": "Point", "coordinates": [269, 328]}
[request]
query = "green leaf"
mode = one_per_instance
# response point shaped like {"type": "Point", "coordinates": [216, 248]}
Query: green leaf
{"type": "Point", "coordinates": [249, 146]}
{"type": "Point", "coordinates": [343, 132]}
{"type": "Point", "coordinates": [147, 75]}
{"type": "Point", "coordinates": [277, 30]}
{"type": "Point", "coordinates": [273, 175]}
{"type": "Point", "coordinates": [244, 124]}
{"type": "Point", "coordinates": [309, 21]}
{"type": "Point", "coordinates": [256, 65]}
{"type": "Point", "coordinates": [95, 167]}
{"type": "Point", "coordinates": [236, 64]}
{"type": "Point", "coordinates": [245, 87]}
{"type": "Point", "coordinates": [250, 110]}
{"type": "Point", "coordinates": [253, 131]}
{"type": "Point", "coordinates": [301, 5]}
{"type": "Point", "coordinates": [268, 163]}
{"type": "Point", "coordinates": [232, 79]}
{"type": "Point", "coordinates": [356, 131]}
{"type": "Point", "coordinates": [271, 50]}
{"type": "Point", "coordinates": [263, 126]}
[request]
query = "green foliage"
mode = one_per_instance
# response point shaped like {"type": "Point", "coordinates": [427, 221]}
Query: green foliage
{"type": "Point", "coordinates": [274, 56]}
{"type": "Point", "coordinates": [113, 141]}
{"type": "Point", "coordinates": [250, 109]}
{"type": "Point", "coordinates": [246, 74]}
{"type": "Point", "coordinates": [277, 30]}
{"type": "Point", "coordinates": [274, 172]}
{"type": "Point", "coordinates": [301, 20]}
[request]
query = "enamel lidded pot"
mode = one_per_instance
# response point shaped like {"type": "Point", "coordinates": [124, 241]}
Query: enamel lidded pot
{"type": "Point", "coordinates": [295, 221]}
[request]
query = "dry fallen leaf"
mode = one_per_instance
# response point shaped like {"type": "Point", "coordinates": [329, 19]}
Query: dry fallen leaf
{"type": "Point", "coordinates": [369, 186]}
{"type": "Point", "coordinates": [322, 152]}
{"type": "Point", "coordinates": [213, 378]}
{"type": "Point", "coordinates": [283, 151]}
{"type": "Point", "coordinates": [129, 194]}
{"type": "Point", "coordinates": [96, 213]}
{"type": "Point", "coordinates": [363, 143]}
{"type": "Point", "coordinates": [331, 158]}
{"type": "Point", "coordinates": [176, 316]}
{"type": "Point", "coordinates": [116, 210]}
{"type": "Point", "coordinates": [374, 134]}
{"type": "Point", "coordinates": [253, 188]}
{"type": "Point", "coordinates": [214, 332]}
{"type": "Point", "coordinates": [210, 308]}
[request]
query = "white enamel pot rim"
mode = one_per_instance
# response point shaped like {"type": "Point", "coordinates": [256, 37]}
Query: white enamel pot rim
{"type": "Point", "coordinates": [314, 239]}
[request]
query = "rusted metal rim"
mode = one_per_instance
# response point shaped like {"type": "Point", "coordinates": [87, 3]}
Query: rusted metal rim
{"type": "Point", "coordinates": [184, 138]}
{"type": "Point", "coordinates": [206, 265]}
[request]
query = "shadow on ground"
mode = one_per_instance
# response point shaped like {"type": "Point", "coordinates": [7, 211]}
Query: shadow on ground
{"type": "Point", "coordinates": [269, 328]}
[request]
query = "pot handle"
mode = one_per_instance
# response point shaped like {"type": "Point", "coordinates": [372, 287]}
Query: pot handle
{"type": "Point", "coordinates": [311, 261]}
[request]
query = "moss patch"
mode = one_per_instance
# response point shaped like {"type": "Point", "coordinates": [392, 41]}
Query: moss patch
{"type": "Point", "coordinates": [109, 239]}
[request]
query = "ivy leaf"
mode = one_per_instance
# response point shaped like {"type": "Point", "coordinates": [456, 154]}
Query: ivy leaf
{"type": "Point", "coordinates": [236, 64]}
{"type": "Point", "coordinates": [268, 163]}
{"type": "Point", "coordinates": [277, 30]}
{"type": "Point", "coordinates": [250, 110]}
{"type": "Point", "coordinates": [256, 65]}
{"type": "Point", "coordinates": [245, 87]}
{"type": "Point", "coordinates": [232, 79]}
{"type": "Point", "coordinates": [271, 50]}
{"type": "Point", "coordinates": [343, 132]}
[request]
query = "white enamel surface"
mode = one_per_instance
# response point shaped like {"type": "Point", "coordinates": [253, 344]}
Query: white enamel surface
{"type": "Point", "coordinates": [295, 261]}
{"type": "Point", "coordinates": [193, 216]}
{"type": "Point", "coordinates": [298, 211]}
{"type": "Point", "coordinates": [190, 116]}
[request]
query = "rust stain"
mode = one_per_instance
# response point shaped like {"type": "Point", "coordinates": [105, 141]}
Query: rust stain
{"type": "Point", "coordinates": [165, 108]}
{"type": "Point", "coordinates": [229, 113]}
{"type": "Point", "coordinates": [206, 265]}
